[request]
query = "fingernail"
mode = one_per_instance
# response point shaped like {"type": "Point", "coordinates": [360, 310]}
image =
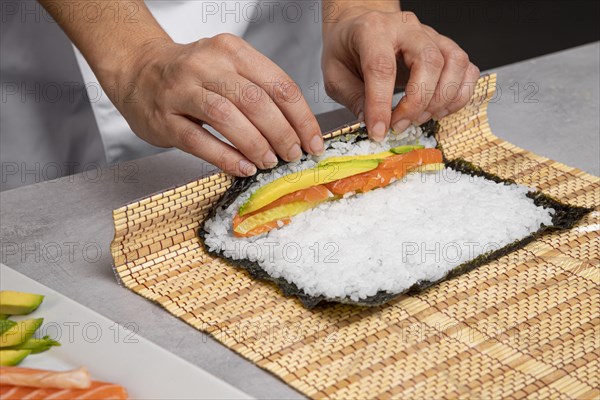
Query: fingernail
{"type": "Point", "coordinates": [295, 153]}
{"type": "Point", "coordinates": [442, 114]}
{"type": "Point", "coordinates": [270, 159]}
{"type": "Point", "coordinates": [378, 131]}
{"type": "Point", "coordinates": [361, 117]}
{"type": "Point", "coordinates": [400, 126]}
{"type": "Point", "coordinates": [426, 116]}
{"type": "Point", "coordinates": [316, 145]}
{"type": "Point", "coordinates": [247, 168]}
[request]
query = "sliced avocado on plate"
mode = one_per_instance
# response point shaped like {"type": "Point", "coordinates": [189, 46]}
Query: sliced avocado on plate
{"type": "Point", "coordinates": [19, 303]}
{"type": "Point", "coordinates": [35, 345]}
{"type": "Point", "coordinates": [6, 324]}
{"type": "Point", "coordinates": [20, 333]}
{"type": "Point", "coordinates": [10, 358]}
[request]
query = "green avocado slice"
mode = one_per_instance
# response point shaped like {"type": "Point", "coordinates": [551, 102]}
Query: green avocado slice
{"type": "Point", "coordinates": [35, 345]}
{"type": "Point", "coordinates": [6, 324]}
{"type": "Point", "coordinates": [19, 303]}
{"type": "Point", "coordinates": [375, 156]}
{"type": "Point", "coordinates": [10, 358]}
{"type": "Point", "coordinates": [304, 179]}
{"type": "Point", "coordinates": [20, 333]}
{"type": "Point", "coordinates": [406, 149]}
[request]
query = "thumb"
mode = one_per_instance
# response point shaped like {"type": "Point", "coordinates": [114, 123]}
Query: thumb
{"type": "Point", "coordinates": [345, 88]}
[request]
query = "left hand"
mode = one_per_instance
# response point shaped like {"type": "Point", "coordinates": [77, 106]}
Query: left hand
{"type": "Point", "coordinates": [367, 54]}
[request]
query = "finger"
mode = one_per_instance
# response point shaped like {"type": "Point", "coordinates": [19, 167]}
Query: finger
{"type": "Point", "coordinates": [425, 61]}
{"type": "Point", "coordinates": [345, 87]}
{"type": "Point", "coordinates": [378, 65]}
{"type": "Point", "coordinates": [258, 108]}
{"type": "Point", "coordinates": [194, 139]}
{"type": "Point", "coordinates": [456, 62]}
{"type": "Point", "coordinates": [466, 90]}
{"type": "Point", "coordinates": [286, 94]}
{"type": "Point", "coordinates": [224, 116]}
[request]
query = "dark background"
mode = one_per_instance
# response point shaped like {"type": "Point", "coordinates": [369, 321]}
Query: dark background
{"type": "Point", "coordinates": [497, 32]}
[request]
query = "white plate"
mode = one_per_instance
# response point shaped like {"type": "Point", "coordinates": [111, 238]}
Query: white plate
{"type": "Point", "coordinates": [110, 352]}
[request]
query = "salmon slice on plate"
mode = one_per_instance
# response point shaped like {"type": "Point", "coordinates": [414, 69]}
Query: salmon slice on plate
{"type": "Point", "coordinates": [35, 384]}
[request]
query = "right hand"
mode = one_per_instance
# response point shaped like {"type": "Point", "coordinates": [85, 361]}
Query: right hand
{"type": "Point", "coordinates": [225, 83]}
{"type": "Point", "coordinates": [368, 52]}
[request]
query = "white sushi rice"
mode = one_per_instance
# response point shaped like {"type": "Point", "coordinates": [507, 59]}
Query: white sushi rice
{"type": "Point", "coordinates": [416, 229]}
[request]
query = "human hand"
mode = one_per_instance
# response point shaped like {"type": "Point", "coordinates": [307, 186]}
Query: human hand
{"type": "Point", "coordinates": [367, 54]}
{"type": "Point", "coordinates": [224, 82]}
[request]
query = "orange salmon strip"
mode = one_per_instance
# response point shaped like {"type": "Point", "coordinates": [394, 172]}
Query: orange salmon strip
{"type": "Point", "coordinates": [96, 391]}
{"type": "Point", "coordinates": [259, 229]}
{"type": "Point", "coordinates": [17, 376]}
{"type": "Point", "coordinates": [394, 167]}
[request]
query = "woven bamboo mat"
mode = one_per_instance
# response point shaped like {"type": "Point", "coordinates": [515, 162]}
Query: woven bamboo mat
{"type": "Point", "coordinates": [526, 325]}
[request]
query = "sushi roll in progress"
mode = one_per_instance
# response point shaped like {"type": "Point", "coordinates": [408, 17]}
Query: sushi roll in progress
{"type": "Point", "coordinates": [368, 221]}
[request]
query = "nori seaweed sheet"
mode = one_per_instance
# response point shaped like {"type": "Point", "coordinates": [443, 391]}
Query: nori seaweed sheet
{"type": "Point", "coordinates": [566, 217]}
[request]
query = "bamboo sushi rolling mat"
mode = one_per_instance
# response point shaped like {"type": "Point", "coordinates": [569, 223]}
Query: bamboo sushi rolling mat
{"type": "Point", "coordinates": [526, 325]}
